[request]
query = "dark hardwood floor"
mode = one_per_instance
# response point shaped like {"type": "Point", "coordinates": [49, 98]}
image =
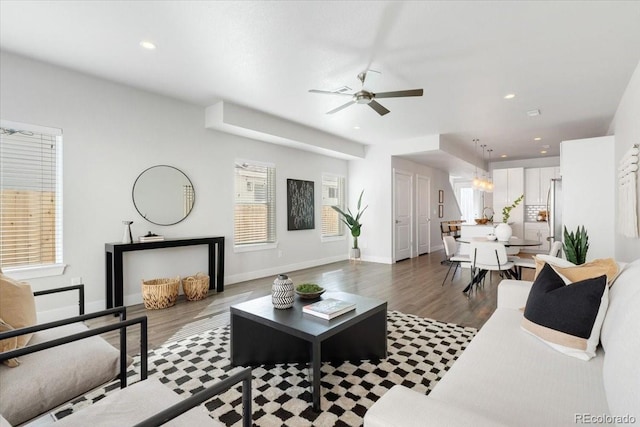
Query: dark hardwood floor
{"type": "Point", "coordinates": [410, 286]}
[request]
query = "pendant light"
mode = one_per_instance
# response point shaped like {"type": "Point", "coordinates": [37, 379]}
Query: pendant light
{"type": "Point", "coordinates": [489, 180]}
{"type": "Point", "coordinates": [476, 181]}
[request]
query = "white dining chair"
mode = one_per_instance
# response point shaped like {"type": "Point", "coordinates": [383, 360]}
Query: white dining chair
{"type": "Point", "coordinates": [453, 258]}
{"type": "Point", "coordinates": [487, 257]}
{"type": "Point", "coordinates": [555, 251]}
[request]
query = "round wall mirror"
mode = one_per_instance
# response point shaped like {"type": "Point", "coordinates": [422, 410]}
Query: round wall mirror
{"type": "Point", "coordinates": [163, 195]}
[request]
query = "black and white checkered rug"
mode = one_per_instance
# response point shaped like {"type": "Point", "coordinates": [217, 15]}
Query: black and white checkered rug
{"type": "Point", "coordinates": [420, 351]}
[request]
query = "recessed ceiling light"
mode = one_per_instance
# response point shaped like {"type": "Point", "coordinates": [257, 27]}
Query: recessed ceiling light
{"type": "Point", "coordinates": [356, 127]}
{"type": "Point", "coordinates": [543, 152]}
{"type": "Point", "coordinates": [503, 155]}
{"type": "Point", "coordinates": [537, 138]}
{"type": "Point", "coordinates": [147, 45]}
{"type": "Point", "coordinates": [510, 96]}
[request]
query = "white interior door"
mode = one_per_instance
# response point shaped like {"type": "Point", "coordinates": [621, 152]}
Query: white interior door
{"type": "Point", "coordinates": [403, 184]}
{"type": "Point", "coordinates": [423, 198]}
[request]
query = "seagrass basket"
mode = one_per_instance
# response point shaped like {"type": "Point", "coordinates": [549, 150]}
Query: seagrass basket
{"type": "Point", "coordinates": [196, 287]}
{"type": "Point", "coordinates": [160, 293]}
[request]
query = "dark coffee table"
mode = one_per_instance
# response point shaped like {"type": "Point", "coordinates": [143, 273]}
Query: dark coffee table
{"type": "Point", "coordinates": [262, 335]}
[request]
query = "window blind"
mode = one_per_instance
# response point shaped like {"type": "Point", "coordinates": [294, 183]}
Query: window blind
{"type": "Point", "coordinates": [30, 198]}
{"type": "Point", "coordinates": [332, 195]}
{"type": "Point", "coordinates": [255, 204]}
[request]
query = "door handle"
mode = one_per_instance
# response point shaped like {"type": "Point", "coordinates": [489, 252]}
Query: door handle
{"type": "Point", "coordinates": [397, 222]}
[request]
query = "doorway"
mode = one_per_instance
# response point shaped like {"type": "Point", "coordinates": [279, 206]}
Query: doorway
{"type": "Point", "coordinates": [402, 214]}
{"type": "Point", "coordinates": [423, 209]}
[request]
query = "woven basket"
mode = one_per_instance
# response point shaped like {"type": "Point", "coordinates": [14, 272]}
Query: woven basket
{"type": "Point", "coordinates": [160, 293]}
{"type": "Point", "coordinates": [196, 287]}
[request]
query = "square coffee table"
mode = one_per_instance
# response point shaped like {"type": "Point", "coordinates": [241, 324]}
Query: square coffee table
{"type": "Point", "coordinates": [262, 334]}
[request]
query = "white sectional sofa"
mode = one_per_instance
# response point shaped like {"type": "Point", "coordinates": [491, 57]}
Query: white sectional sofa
{"type": "Point", "coordinates": [509, 377]}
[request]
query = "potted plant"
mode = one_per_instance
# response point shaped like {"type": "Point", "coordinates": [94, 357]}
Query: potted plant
{"type": "Point", "coordinates": [576, 245]}
{"type": "Point", "coordinates": [503, 230]}
{"type": "Point", "coordinates": [353, 222]}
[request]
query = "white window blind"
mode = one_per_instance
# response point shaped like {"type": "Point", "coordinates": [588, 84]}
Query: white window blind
{"type": "Point", "coordinates": [255, 204]}
{"type": "Point", "coordinates": [332, 195]}
{"type": "Point", "coordinates": [30, 196]}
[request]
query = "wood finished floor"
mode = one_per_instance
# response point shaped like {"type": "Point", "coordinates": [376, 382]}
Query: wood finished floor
{"type": "Point", "coordinates": [411, 286]}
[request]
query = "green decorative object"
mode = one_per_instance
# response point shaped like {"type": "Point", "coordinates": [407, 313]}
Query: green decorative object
{"type": "Point", "coordinates": [353, 222]}
{"type": "Point", "coordinates": [576, 245]}
{"type": "Point", "coordinates": [506, 211]}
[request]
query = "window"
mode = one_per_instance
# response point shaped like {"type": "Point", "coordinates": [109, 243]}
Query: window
{"type": "Point", "coordinates": [255, 203]}
{"type": "Point", "coordinates": [30, 198]}
{"type": "Point", "coordinates": [332, 195]}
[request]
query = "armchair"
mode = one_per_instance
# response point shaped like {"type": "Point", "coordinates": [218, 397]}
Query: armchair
{"type": "Point", "coordinates": [64, 359]}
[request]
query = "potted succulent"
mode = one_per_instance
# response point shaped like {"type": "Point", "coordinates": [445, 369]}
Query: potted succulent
{"type": "Point", "coordinates": [353, 223]}
{"type": "Point", "coordinates": [576, 245]}
{"type": "Point", "coordinates": [503, 230]}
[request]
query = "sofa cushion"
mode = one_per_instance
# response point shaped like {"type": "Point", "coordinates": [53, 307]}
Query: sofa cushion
{"type": "Point", "coordinates": [621, 341]}
{"type": "Point", "coordinates": [17, 306]}
{"type": "Point", "coordinates": [566, 317]}
{"type": "Point", "coordinates": [134, 404]}
{"type": "Point", "coordinates": [8, 344]}
{"type": "Point", "coordinates": [48, 378]}
{"type": "Point", "coordinates": [424, 412]}
{"type": "Point", "coordinates": [508, 376]}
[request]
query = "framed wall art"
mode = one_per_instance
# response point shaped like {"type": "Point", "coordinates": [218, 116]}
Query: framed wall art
{"type": "Point", "coordinates": [440, 211]}
{"type": "Point", "coordinates": [300, 205]}
{"type": "Point", "coordinates": [440, 196]}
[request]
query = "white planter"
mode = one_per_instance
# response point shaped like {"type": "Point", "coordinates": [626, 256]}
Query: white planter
{"type": "Point", "coordinates": [282, 292]}
{"type": "Point", "coordinates": [503, 232]}
{"type": "Point", "coordinates": [355, 253]}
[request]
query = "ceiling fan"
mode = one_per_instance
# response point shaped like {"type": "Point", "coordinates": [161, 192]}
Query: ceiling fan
{"type": "Point", "coordinates": [364, 96]}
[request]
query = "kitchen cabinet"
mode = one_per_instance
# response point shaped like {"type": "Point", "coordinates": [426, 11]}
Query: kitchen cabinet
{"type": "Point", "coordinates": [537, 231]}
{"type": "Point", "coordinates": [508, 186]}
{"type": "Point", "coordinates": [537, 182]}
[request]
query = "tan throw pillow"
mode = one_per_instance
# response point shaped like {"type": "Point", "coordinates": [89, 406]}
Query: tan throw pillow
{"type": "Point", "coordinates": [8, 344]}
{"type": "Point", "coordinates": [589, 270]}
{"type": "Point", "coordinates": [17, 306]}
{"type": "Point", "coordinates": [541, 260]}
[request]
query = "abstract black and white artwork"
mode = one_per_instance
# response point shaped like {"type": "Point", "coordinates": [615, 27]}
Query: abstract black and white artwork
{"type": "Point", "coordinates": [300, 207]}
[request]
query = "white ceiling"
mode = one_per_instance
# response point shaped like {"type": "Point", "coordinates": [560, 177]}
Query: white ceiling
{"type": "Point", "coordinates": [571, 60]}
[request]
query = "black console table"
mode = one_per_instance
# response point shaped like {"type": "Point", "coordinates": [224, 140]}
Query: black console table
{"type": "Point", "coordinates": [113, 258]}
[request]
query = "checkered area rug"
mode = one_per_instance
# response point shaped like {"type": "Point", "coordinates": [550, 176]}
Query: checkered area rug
{"type": "Point", "coordinates": [420, 351]}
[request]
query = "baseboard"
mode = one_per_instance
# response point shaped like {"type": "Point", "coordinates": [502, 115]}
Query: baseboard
{"type": "Point", "coordinates": [274, 271]}
{"type": "Point", "coordinates": [378, 259]}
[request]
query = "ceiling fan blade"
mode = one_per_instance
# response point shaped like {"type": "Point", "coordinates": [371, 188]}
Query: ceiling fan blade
{"type": "Point", "coordinates": [327, 92]}
{"type": "Point", "coordinates": [342, 107]}
{"type": "Point", "coordinates": [379, 108]}
{"type": "Point", "coordinates": [400, 93]}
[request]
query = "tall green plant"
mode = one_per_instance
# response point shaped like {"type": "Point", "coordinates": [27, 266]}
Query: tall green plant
{"type": "Point", "coordinates": [576, 245]}
{"type": "Point", "coordinates": [353, 222]}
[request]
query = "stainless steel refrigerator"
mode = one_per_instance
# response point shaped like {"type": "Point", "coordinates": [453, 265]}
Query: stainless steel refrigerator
{"type": "Point", "coordinates": [554, 210]}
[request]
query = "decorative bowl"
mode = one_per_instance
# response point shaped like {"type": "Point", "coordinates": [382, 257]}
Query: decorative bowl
{"type": "Point", "coordinates": [309, 290]}
{"type": "Point", "coordinates": [482, 220]}
{"type": "Point", "coordinates": [310, 295]}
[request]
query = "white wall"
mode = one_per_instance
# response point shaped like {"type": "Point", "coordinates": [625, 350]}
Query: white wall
{"type": "Point", "coordinates": [111, 134]}
{"type": "Point", "coordinates": [626, 126]}
{"type": "Point", "coordinates": [439, 180]}
{"type": "Point", "coordinates": [373, 175]}
{"type": "Point", "coordinates": [588, 182]}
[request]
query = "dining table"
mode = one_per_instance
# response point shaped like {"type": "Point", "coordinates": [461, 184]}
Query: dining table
{"type": "Point", "coordinates": [478, 275]}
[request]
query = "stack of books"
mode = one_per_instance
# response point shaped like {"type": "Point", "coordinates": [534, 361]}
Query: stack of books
{"type": "Point", "coordinates": [329, 308]}
{"type": "Point", "coordinates": [152, 238]}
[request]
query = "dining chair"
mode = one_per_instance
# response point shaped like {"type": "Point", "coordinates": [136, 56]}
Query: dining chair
{"type": "Point", "coordinates": [453, 258]}
{"type": "Point", "coordinates": [487, 257]}
{"type": "Point", "coordinates": [556, 251]}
